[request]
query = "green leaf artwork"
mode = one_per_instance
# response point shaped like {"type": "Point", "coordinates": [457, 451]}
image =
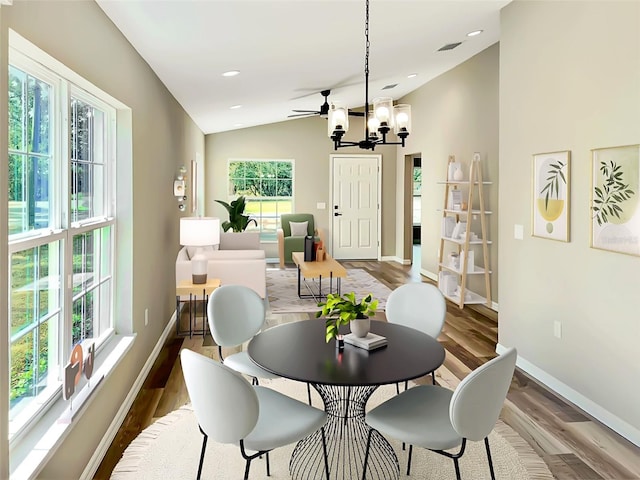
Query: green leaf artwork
{"type": "Point", "coordinates": [613, 191]}
{"type": "Point", "coordinates": [554, 176]}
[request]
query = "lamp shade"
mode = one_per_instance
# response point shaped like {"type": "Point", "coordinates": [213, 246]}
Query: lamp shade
{"type": "Point", "coordinates": [199, 231]}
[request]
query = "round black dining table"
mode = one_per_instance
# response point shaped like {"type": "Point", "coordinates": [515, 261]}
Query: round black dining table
{"type": "Point", "coordinates": [345, 380]}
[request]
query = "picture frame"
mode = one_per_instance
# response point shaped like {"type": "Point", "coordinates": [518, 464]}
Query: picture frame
{"type": "Point", "coordinates": [551, 195]}
{"type": "Point", "coordinates": [615, 199]}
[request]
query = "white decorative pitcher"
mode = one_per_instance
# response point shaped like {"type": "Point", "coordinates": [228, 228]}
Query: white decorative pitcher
{"type": "Point", "coordinates": [360, 327]}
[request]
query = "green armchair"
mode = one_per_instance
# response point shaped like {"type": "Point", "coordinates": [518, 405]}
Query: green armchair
{"type": "Point", "coordinates": [291, 237]}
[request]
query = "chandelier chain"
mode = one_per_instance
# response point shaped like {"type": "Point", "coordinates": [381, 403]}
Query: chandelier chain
{"type": "Point", "coordinates": [366, 36]}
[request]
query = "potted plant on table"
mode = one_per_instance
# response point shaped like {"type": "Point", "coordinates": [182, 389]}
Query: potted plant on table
{"type": "Point", "coordinates": [347, 310]}
{"type": "Point", "coordinates": [238, 221]}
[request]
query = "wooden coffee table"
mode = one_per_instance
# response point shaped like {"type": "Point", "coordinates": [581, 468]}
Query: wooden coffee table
{"type": "Point", "coordinates": [311, 270]}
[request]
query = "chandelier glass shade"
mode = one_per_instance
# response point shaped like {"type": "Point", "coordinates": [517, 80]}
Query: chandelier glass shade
{"type": "Point", "coordinates": [378, 122]}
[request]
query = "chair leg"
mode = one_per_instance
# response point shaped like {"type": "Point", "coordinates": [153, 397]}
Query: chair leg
{"type": "Point", "coordinates": [456, 464]}
{"type": "Point", "coordinates": [246, 469]}
{"type": "Point", "coordinates": [409, 460]}
{"type": "Point", "coordinates": [366, 455]}
{"type": "Point", "coordinates": [433, 377]}
{"type": "Point", "coordinates": [254, 381]}
{"type": "Point", "coordinates": [397, 388]}
{"type": "Point", "coordinates": [486, 444]}
{"type": "Point", "coordinates": [324, 450]}
{"type": "Point", "coordinates": [309, 392]}
{"type": "Point", "coordinates": [204, 448]}
{"type": "Point", "coordinates": [268, 470]}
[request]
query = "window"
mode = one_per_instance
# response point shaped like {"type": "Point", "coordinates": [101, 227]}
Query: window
{"type": "Point", "coordinates": [268, 188]}
{"type": "Point", "coordinates": [61, 238]}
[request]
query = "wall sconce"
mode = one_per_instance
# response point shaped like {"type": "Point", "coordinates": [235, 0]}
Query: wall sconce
{"type": "Point", "coordinates": [180, 188]}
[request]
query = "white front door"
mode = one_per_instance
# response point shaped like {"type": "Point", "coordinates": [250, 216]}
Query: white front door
{"type": "Point", "coordinates": [355, 207]}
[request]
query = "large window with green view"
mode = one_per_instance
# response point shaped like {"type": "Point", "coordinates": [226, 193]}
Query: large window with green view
{"type": "Point", "coordinates": [60, 223]}
{"type": "Point", "coordinates": [268, 188]}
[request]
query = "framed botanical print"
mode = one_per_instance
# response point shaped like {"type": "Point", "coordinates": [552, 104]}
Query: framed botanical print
{"type": "Point", "coordinates": [615, 199]}
{"type": "Point", "coordinates": [551, 193]}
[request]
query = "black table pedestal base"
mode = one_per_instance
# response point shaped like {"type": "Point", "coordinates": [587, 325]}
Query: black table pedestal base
{"type": "Point", "coordinates": [346, 434]}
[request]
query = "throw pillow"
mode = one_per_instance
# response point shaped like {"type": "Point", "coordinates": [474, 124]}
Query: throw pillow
{"type": "Point", "coordinates": [298, 229]}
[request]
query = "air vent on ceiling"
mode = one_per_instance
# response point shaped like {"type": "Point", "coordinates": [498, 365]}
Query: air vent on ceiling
{"type": "Point", "coordinates": [449, 46]}
{"type": "Point", "coordinates": [389, 87]}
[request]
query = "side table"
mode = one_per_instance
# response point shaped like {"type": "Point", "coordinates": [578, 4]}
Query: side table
{"type": "Point", "coordinates": [202, 290]}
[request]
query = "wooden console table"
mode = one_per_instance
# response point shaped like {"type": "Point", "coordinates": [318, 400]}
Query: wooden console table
{"type": "Point", "coordinates": [193, 290]}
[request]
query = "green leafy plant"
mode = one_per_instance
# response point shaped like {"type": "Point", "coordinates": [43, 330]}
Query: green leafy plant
{"type": "Point", "coordinates": [552, 186]}
{"type": "Point", "coordinates": [341, 309]}
{"type": "Point", "coordinates": [607, 198]}
{"type": "Point", "coordinates": [238, 221]}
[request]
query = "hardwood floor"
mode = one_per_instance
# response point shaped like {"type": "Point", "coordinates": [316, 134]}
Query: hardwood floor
{"type": "Point", "coordinates": [574, 446]}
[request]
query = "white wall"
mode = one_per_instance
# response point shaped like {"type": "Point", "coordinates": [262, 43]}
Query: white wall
{"type": "Point", "coordinates": [455, 114]}
{"type": "Point", "coordinates": [569, 80]}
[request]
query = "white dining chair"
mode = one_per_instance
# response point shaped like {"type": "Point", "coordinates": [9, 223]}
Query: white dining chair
{"type": "Point", "coordinates": [230, 410]}
{"type": "Point", "coordinates": [440, 419]}
{"type": "Point", "coordinates": [417, 305]}
{"type": "Point", "coordinates": [235, 314]}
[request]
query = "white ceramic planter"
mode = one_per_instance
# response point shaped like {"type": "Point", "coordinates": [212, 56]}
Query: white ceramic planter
{"type": "Point", "coordinates": [360, 327]}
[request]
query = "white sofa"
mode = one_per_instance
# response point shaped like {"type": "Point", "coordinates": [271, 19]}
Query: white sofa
{"type": "Point", "coordinates": [233, 267]}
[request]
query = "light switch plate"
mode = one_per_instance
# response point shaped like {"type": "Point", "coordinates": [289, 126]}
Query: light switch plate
{"type": "Point", "coordinates": [518, 232]}
{"type": "Point", "coordinates": [321, 205]}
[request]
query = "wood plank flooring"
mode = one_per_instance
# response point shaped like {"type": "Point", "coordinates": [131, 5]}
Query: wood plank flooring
{"type": "Point", "coordinates": [574, 446]}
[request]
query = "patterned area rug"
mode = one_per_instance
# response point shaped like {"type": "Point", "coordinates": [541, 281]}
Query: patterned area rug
{"type": "Point", "coordinates": [282, 290]}
{"type": "Point", "coordinates": [170, 449]}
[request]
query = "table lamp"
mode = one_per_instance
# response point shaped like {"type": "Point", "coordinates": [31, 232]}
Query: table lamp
{"type": "Point", "coordinates": [199, 232]}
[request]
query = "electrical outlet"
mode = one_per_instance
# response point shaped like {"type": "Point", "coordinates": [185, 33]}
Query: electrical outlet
{"type": "Point", "coordinates": [557, 329]}
{"type": "Point", "coordinates": [146, 317]}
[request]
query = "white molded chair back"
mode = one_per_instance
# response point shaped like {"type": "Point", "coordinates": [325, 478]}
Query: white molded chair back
{"type": "Point", "coordinates": [235, 314]}
{"type": "Point", "coordinates": [225, 404]}
{"type": "Point", "coordinates": [417, 305]}
{"type": "Point", "coordinates": [477, 401]}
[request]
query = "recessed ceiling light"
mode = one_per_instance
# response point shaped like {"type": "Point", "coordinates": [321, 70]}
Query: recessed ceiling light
{"type": "Point", "coordinates": [412, 75]}
{"type": "Point", "coordinates": [474, 33]}
{"type": "Point", "coordinates": [235, 107]}
{"type": "Point", "coordinates": [231, 73]}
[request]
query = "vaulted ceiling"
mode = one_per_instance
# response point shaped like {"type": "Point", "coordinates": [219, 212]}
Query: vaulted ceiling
{"type": "Point", "coordinates": [287, 51]}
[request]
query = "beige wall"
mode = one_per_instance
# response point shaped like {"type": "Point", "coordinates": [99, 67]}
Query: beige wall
{"type": "Point", "coordinates": [569, 80]}
{"type": "Point", "coordinates": [79, 35]}
{"type": "Point", "coordinates": [455, 114]}
{"type": "Point", "coordinates": [306, 142]}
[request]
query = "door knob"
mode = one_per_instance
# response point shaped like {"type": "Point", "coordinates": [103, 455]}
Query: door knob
{"type": "Point", "coordinates": [336, 214]}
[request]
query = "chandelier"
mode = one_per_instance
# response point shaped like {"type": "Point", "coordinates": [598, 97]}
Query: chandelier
{"type": "Point", "coordinates": [378, 123]}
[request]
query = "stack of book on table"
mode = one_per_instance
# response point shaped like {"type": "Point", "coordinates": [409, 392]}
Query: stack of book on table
{"type": "Point", "coordinates": [370, 342]}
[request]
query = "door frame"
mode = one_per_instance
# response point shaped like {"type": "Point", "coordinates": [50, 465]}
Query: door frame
{"type": "Point", "coordinates": [378, 159]}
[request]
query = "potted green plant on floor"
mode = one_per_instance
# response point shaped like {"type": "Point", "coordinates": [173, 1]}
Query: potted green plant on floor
{"type": "Point", "coordinates": [238, 221]}
{"type": "Point", "coordinates": [346, 309]}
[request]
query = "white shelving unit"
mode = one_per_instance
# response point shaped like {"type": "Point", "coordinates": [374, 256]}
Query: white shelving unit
{"type": "Point", "coordinates": [473, 213]}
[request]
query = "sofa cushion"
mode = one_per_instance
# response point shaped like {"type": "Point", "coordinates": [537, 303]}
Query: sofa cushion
{"type": "Point", "coordinates": [298, 229]}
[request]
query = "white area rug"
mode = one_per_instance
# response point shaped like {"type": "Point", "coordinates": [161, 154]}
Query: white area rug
{"type": "Point", "coordinates": [170, 449]}
{"type": "Point", "coordinates": [282, 290]}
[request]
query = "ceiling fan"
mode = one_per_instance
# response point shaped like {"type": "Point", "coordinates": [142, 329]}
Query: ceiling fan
{"type": "Point", "coordinates": [324, 109]}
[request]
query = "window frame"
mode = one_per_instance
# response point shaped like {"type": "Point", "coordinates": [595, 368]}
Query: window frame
{"type": "Point", "coordinates": [61, 229]}
{"type": "Point", "coordinates": [264, 237]}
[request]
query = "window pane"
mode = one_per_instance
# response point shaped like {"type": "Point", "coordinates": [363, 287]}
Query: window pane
{"type": "Point", "coordinates": [35, 285]}
{"type": "Point", "coordinates": [35, 312]}
{"type": "Point", "coordinates": [83, 310]}
{"type": "Point", "coordinates": [87, 161]}
{"type": "Point", "coordinates": [29, 146]}
{"type": "Point", "coordinates": [83, 262]}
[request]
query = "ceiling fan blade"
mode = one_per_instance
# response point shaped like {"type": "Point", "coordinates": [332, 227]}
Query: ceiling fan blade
{"type": "Point", "coordinates": [356, 114]}
{"type": "Point", "coordinates": [305, 111]}
{"type": "Point", "coordinates": [310, 114]}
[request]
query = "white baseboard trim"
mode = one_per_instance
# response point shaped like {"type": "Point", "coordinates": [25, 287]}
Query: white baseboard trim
{"type": "Point", "coordinates": [395, 259]}
{"type": "Point", "coordinates": [607, 418]}
{"type": "Point", "coordinates": [429, 275]}
{"type": "Point", "coordinates": [94, 463]}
